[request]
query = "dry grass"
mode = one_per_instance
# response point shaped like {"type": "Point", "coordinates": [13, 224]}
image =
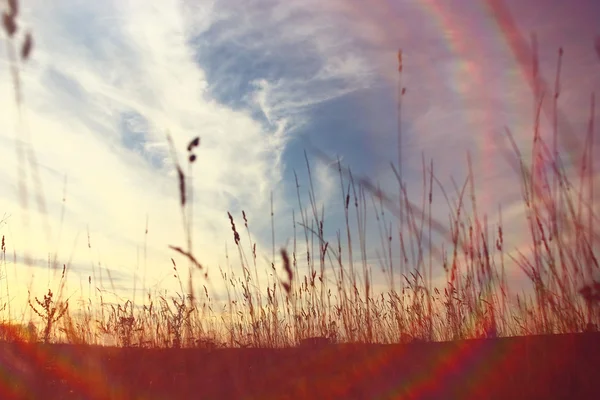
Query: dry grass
{"type": "Point", "coordinates": [335, 298]}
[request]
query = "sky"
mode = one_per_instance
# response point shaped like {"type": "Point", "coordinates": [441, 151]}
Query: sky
{"type": "Point", "coordinates": [260, 82]}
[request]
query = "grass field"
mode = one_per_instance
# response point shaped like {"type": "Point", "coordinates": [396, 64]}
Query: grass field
{"type": "Point", "coordinates": [321, 320]}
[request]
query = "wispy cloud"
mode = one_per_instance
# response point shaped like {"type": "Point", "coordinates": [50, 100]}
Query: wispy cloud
{"type": "Point", "coordinates": [257, 81]}
{"type": "Point", "coordinates": [109, 79]}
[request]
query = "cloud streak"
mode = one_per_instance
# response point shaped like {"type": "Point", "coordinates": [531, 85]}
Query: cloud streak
{"type": "Point", "coordinates": [258, 81]}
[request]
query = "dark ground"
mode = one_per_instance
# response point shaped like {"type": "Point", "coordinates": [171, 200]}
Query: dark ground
{"type": "Point", "coordinates": [533, 367]}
